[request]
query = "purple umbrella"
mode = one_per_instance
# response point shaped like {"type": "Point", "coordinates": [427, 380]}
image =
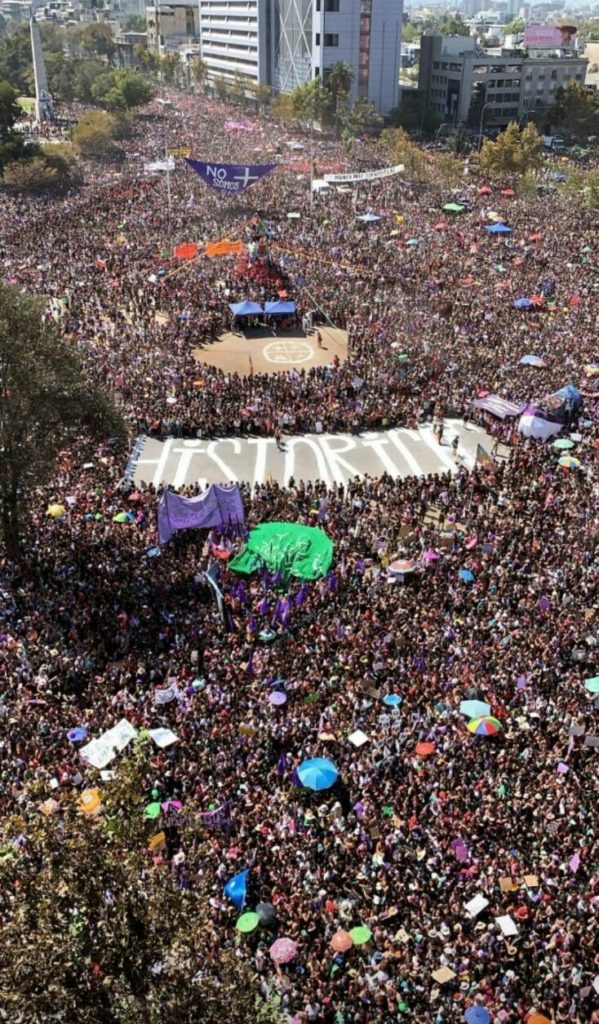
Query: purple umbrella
{"type": "Point", "coordinates": [277, 698]}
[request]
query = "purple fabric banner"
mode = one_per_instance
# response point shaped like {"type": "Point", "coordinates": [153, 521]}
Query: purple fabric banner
{"type": "Point", "coordinates": [219, 506]}
{"type": "Point", "coordinates": [229, 179]}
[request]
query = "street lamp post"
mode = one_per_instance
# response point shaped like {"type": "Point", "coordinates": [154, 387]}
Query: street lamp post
{"type": "Point", "coordinates": [480, 127]}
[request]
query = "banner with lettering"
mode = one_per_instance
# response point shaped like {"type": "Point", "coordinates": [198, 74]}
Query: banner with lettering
{"type": "Point", "coordinates": [386, 172]}
{"type": "Point", "coordinates": [229, 179]}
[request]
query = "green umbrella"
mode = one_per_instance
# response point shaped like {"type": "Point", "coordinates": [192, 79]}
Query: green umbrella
{"type": "Point", "coordinates": [563, 443]}
{"type": "Point", "coordinates": [592, 684]}
{"type": "Point", "coordinates": [120, 517]}
{"type": "Point", "coordinates": [453, 208]}
{"type": "Point", "coordinates": [247, 922]}
{"type": "Point", "coordinates": [403, 357]}
{"type": "Point", "coordinates": [152, 811]}
{"type": "Point", "coordinates": [360, 935]}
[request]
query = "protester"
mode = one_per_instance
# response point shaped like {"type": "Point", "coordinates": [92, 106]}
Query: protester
{"type": "Point", "coordinates": [499, 602]}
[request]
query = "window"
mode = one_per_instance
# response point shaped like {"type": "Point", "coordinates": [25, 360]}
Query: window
{"type": "Point", "coordinates": [436, 64]}
{"type": "Point", "coordinates": [331, 5]}
{"type": "Point", "coordinates": [318, 38]}
{"type": "Point", "coordinates": [331, 39]}
{"type": "Point", "coordinates": [554, 73]}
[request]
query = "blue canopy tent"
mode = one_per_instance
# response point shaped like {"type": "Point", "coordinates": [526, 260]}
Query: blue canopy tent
{"type": "Point", "coordinates": [498, 229]}
{"type": "Point", "coordinates": [279, 308]}
{"type": "Point", "coordinates": [246, 308]}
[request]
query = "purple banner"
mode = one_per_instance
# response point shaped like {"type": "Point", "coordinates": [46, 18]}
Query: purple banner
{"type": "Point", "coordinates": [219, 506]}
{"type": "Point", "coordinates": [229, 179]}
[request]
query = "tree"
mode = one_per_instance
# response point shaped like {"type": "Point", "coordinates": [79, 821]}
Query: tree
{"type": "Point", "coordinates": [15, 60]}
{"type": "Point", "coordinates": [10, 111]}
{"type": "Point", "coordinates": [92, 136]}
{"type": "Point", "coordinates": [134, 23]}
{"type": "Point", "coordinates": [147, 59]}
{"type": "Point", "coordinates": [97, 40]}
{"type": "Point", "coordinates": [404, 151]}
{"type": "Point", "coordinates": [410, 33]}
{"type": "Point", "coordinates": [98, 930]}
{"type": "Point", "coordinates": [45, 401]}
{"type": "Point", "coordinates": [339, 79]}
{"type": "Point", "coordinates": [459, 142]}
{"type": "Point", "coordinates": [33, 175]}
{"type": "Point", "coordinates": [514, 152]}
{"type": "Point", "coordinates": [577, 109]}
{"type": "Point", "coordinates": [169, 67]}
{"type": "Point", "coordinates": [51, 169]}
{"type": "Point", "coordinates": [312, 102]}
{"type": "Point", "coordinates": [361, 119]}
{"type": "Point", "coordinates": [413, 113]}
{"type": "Point", "coordinates": [448, 170]}
{"type": "Point", "coordinates": [477, 103]}
{"type": "Point", "coordinates": [515, 27]}
{"type": "Point", "coordinates": [121, 90]}
{"type": "Point", "coordinates": [199, 71]}
{"type": "Point", "coordinates": [451, 25]}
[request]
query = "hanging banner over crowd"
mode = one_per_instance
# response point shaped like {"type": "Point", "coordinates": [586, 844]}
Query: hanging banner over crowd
{"type": "Point", "coordinates": [229, 179]}
{"type": "Point", "coordinates": [340, 179]}
{"type": "Point", "coordinates": [219, 506]}
{"type": "Point", "coordinates": [291, 549]}
{"type": "Point", "coordinates": [224, 248]}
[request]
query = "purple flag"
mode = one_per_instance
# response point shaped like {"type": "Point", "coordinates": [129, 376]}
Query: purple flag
{"type": "Point", "coordinates": [263, 606]}
{"type": "Point", "coordinates": [281, 766]}
{"type": "Point", "coordinates": [219, 818]}
{"type": "Point", "coordinates": [218, 506]}
{"type": "Point", "coordinates": [229, 179]}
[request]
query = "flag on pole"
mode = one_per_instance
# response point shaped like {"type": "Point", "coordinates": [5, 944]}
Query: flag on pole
{"type": "Point", "coordinates": [484, 459]}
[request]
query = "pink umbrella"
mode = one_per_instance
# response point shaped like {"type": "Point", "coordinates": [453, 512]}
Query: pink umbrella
{"type": "Point", "coordinates": [283, 950]}
{"type": "Point", "coordinates": [430, 555]}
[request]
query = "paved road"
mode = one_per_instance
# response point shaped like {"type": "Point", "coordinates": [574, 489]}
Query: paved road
{"type": "Point", "coordinates": [334, 458]}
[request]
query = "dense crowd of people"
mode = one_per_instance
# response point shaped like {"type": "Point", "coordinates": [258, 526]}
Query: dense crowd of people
{"type": "Point", "coordinates": [96, 617]}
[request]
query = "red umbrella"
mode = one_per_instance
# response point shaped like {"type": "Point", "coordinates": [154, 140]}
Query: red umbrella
{"type": "Point", "coordinates": [342, 941]}
{"type": "Point", "coordinates": [536, 238]}
{"type": "Point", "coordinates": [484, 190]}
{"type": "Point", "coordinates": [441, 226]}
{"type": "Point", "coordinates": [508, 192]}
{"type": "Point", "coordinates": [424, 749]}
{"type": "Point", "coordinates": [283, 950]}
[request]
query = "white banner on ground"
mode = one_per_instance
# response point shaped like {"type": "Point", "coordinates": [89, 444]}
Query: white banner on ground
{"type": "Point", "coordinates": [387, 172]}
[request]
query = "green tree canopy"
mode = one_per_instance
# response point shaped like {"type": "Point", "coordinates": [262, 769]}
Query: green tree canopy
{"type": "Point", "coordinates": [339, 79]}
{"type": "Point", "coordinates": [514, 152]}
{"type": "Point", "coordinates": [121, 90]}
{"type": "Point", "coordinates": [44, 401]}
{"type": "Point", "coordinates": [577, 109]}
{"type": "Point", "coordinates": [97, 930]}
{"type": "Point", "coordinates": [10, 110]}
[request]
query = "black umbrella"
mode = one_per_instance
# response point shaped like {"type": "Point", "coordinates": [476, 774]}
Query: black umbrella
{"type": "Point", "coordinates": [267, 914]}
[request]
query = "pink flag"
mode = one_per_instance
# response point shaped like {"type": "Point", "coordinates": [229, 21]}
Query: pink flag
{"type": "Point", "coordinates": [574, 862]}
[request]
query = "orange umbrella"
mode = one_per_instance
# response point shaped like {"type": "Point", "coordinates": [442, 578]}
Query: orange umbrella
{"type": "Point", "coordinates": [508, 192]}
{"type": "Point", "coordinates": [467, 280]}
{"type": "Point", "coordinates": [441, 226]}
{"type": "Point", "coordinates": [423, 749]}
{"type": "Point", "coordinates": [342, 941]}
{"type": "Point", "coordinates": [537, 1018]}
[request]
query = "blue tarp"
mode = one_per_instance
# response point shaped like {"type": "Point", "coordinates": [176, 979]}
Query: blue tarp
{"type": "Point", "coordinates": [246, 308]}
{"type": "Point", "coordinates": [279, 307]}
{"type": "Point", "coordinates": [498, 229]}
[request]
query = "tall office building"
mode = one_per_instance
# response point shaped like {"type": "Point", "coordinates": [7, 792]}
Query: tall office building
{"type": "Point", "coordinates": [284, 43]}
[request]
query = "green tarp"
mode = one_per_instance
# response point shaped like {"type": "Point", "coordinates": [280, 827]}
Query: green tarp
{"type": "Point", "coordinates": [289, 548]}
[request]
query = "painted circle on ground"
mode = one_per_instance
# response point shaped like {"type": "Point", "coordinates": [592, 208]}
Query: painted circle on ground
{"type": "Point", "coordinates": [291, 351]}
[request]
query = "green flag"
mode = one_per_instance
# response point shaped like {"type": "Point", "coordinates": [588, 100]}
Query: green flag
{"type": "Point", "coordinates": [303, 552]}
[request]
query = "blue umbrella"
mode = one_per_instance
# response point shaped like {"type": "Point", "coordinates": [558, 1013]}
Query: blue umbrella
{"type": "Point", "coordinates": [392, 700]}
{"type": "Point", "coordinates": [236, 889]}
{"type": "Point", "coordinates": [317, 773]}
{"type": "Point", "coordinates": [532, 361]}
{"type": "Point", "coordinates": [466, 575]}
{"type": "Point", "coordinates": [498, 229]}
{"type": "Point", "coordinates": [77, 734]}
{"type": "Point", "coordinates": [523, 304]}
{"type": "Point", "coordinates": [477, 1015]}
{"type": "Point", "coordinates": [475, 708]}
